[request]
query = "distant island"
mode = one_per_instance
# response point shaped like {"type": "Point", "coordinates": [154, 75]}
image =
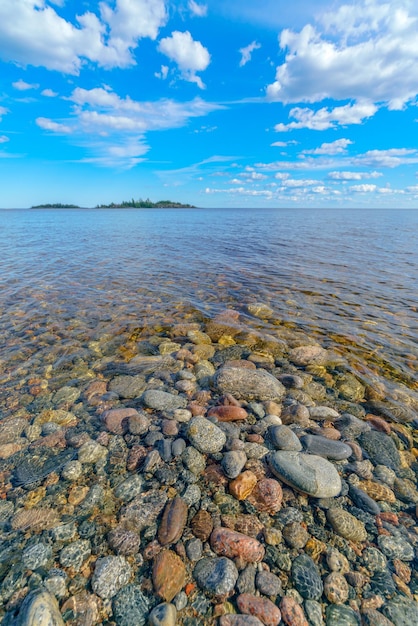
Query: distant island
{"type": "Point", "coordinates": [127, 204]}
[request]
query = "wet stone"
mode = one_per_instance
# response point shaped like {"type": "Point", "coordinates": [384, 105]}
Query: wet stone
{"type": "Point", "coordinates": [382, 584]}
{"type": "Point", "coordinates": [128, 386]}
{"type": "Point", "coordinates": [374, 560]}
{"type": "Point", "coordinates": [396, 548]}
{"type": "Point", "coordinates": [194, 548]}
{"type": "Point", "coordinates": [40, 608]}
{"type": "Point", "coordinates": [130, 606]}
{"type": "Point", "coordinates": [313, 611]}
{"type": "Point", "coordinates": [381, 449]}
{"type": "Point", "coordinates": [295, 535]}
{"type": "Point", "coordinates": [72, 471]}
{"type": "Point", "coordinates": [163, 401]}
{"type": "Point", "coordinates": [340, 615]}
{"type": "Point", "coordinates": [247, 384]}
{"type": "Point", "coordinates": [164, 614]}
{"type": "Point", "coordinates": [129, 488]}
{"type": "Point", "coordinates": [6, 510]}
{"type": "Point", "coordinates": [111, 573]}
{"type": "Point", "coordinates": [306, 577]}
{"type": "Point", "coordinates": [36, 555]}
{"type": "Point", "coordinates": [233, 463]}
{"type": "Point", "coordinates": [371, 617]}
{"type": "Point", "coordinates": [262, 608]}
{"type": "Point", "coordinates": [326, 448]}
{"type": "Point", "coordinates": [217, 576]}
{"type": "Point", "coordinates": [230, 543]}
{"type": "Point", "coordinates": [401, 612]}
{"type": "Point", "coordinates": [363, 501]}
{"type": "Point", "coordinates": [168, 574]}
{"type": "Point", "coordinates": [268, 583]}
{"type": "Point", "coordinates": [320, 413]}
{"type": "Point", "coordinates": [239, 620]}
{"type": "Point", "coordinates": [173, 521]}
{"type": "Point", "coordinates": [336, 588]}
{"type": "Point", "coordinates": [283, 438]}
{"type": "Point", "coordinates": [351, 426]}
{"type": "Point", "coordinates": [246, 579]}
{"type": "Point", "coordinates": [143, 510]}
{"type": "Point", "coordinates": [75, 554]}
{"type": "Point", "coordinates": [205, 436]}
{"type": "Point", "coordinates": [192, 495]}
{"type": "Point", "coordinates": [309, 474]}
{"type": "Point", "coordinates": [346, 525]}
{"type": "Point", "coordinates": [123, 541]}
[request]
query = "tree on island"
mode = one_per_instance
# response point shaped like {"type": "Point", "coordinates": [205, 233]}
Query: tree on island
{"type": "Point", "coordinates": [145, 204]}
{"type": "Point", "coordinates": [57, 205]}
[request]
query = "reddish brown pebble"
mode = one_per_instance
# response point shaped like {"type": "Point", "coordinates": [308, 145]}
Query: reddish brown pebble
{"type": "Point", "coordinates": [388, 516]}
{"type": "Point", "coordinates": [371, 617]}
{"type": "Point", "coordinates": [214, 474]}
{"type": "Point", "coordinates": [253, 438]}
{"type": "Point", "coordinates": [292, 613]}
{"type": "Point", "coordinates": [170, 428]}
{"type": "Point", "coordinates": [151, 550]}
{"type": "Point", "coordinates": [136, 457]}
{"type": "Point", "coordinates": [228, 413]}
{"type": "Point", "coordinates": [173, 521]}
{"type": "Point", "coordinates": [378, 423]}
{"type": "Point", "coordinates": [267, 496]}
{"type": "Point", "coordinates": [329, 433]}
{"type": "Point", "coordinates": [248, 525]}
{"type": "Point", "coordinates": [116, 420]}
{"type": "Point", "coordinates": [242, 485]}
{"type": "Point", "coordinates": [168, 575]}
{"type": "Point", "coordinates": [202, 525]}
{"type": "Point", "coordinates": [94, 391]}
{"type": "Point", "coordinates": [229, 543]}
{"type": "Point", "coordinates": [196, 409]}
{"type": "Point", "coordinates": [266, 611]}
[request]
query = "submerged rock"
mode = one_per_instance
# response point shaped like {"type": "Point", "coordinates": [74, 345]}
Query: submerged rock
{"type": "Point", "coordinates": [39, 609]}
{"type": "Point", "coordinates": [307, 473]}
{"type": "Point", "coordinates": [247, 384]}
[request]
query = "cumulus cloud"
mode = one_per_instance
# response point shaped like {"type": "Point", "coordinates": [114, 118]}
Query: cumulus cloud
{"type": "Point", "coordinates": [190, 55]}
{"type": "Point", "coordinates": [21, 85]}
{"type": "Point", "coordinates": [247, 52]}
{"type": "Point", "coordinates": [199, 10]}
{"type": "Point", "coordinates": [283, 144]}
{"type": "Point", "coordinates": [392, 157]}
{"type": "Point", "coordinates": [49, 93]}
{"type": "Point", "coordinates": [3, 111]}
{"type": "Point", "coordinates": [4, 139]}
{"type": "Point", "coordinates": [366, 51]}
{"type": "Point", "coordinates": [163, 73]}
{"type": "Point", "coordinates": [326, 118]}
{"type": "Point", "coordinates": [33, 33]}
{"type": "Point", "coordinates": [47, 124]}
{"type": "Point", "coordinates": [364, 188]}
{"type": "Point", "coordinates": [298, 182]}
{"type": "Point", "coordinates": [353, 175]}
{"type": "Point", "coordinates": [335, 147]}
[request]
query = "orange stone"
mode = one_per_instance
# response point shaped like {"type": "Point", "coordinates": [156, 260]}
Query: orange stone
{"type": "Point", "coordinates": [267, 496]}
{"type": "Point", "coordinates": [228, 413]}
{"type": "Point", "coordinates": [168, 575]}
{"type": "Point", "coordinates": [292, 612]}
{"type": "Point", "coordinates": [242, 485]}
{"type": "Point", "coordinates": [173, 521]}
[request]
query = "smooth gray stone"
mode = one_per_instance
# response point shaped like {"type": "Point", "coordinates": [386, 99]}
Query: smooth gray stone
{"type": "Point", "coordinates": [306, 577]}
{"type": "Point", "coordinates": [307, 473]}
{"type": "Point", "coordinates": [283, 438]}
{"type": "Point", "coordinates": [163, 401]}
{"type": "Point", "coordinates": [164, 614]}
{"type": "Point", "coordinates": [216, 575]}
{"type": "Point", "coordinates": [205, 436]}
{"type": "Point", "coordinates": [246, 384]}
{"type": "Point", "coordinates": [363, 501]}
{"type": "Point", "coordinates": [323, 413]}
{"type": "Point", "coordinates": [110, 575]}
{"type": "Point", "coordinates": [351, 426]}
{"type": "Point", "coordinates": [233, 463]}
{"type": "Point", "coordinates": [327, 448]}
{"type": "Point", "coordinates": [41, 609]}
{"type": "Point", "coordinates": [381, 449]}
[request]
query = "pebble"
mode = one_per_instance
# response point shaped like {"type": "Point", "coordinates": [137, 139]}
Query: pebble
{"type": "Point", "coordinates": [247, 384]}
{"type": "Point", "coordinates": [228, 413]}
{"type": "Point", "coordinates": [346, 525]}
{"type": "Point", "coordinates": [116, 420]}
{"type": "Point", "coordinates": [168, 574]}
{"type": "Point", "coordinates": [296, 414]}
{"type": "Point", "coordinates": [292, 612]}
{"type": "Point", "coordinates": [202, 525]}
{"type": "Point", "coordinates": [363, 501]}
{"type": "Point", "coordinates": [173, 521]}
{"type": "Point", "coordinates": [371, 617]}
{"type": "Point", "coordinates": [91, 452]}
{"type": "Point", "coordinates": [395, 548]}
{"type": "Point", "coordinates": [230, 543]}
{"type": "Point", "coordinates": [326, 448]}
{"type": "Point", "coordinates": [239, 620]}
{"type": "Point", "coordinates": [266, 611]}
{"type": "Point", "coordinates": [111, 573]}
{"type": "Point", "coordinates": [242, 486]}
{"type": "Point", "coordinates": [381, 449]}
{"type": "Point", "coordinates": [233, 463]}
{"type": "Point", "coordinates": [72, 471]}
{"type": "Point", "coordinates": [246, 579]}
{"type": "Point", "coordinates": [320, 413]}
{"type": "Point", "coordinates": [337, 562]}
{"type": "Point", "coordinates": [163, 615]}
{"type": "Point", "coordinates": [283, 438]}
{"type": "Point", "coordinates": [130, 606]}
{"type": "Point", "coordinates": [193, 460]}
{"type": "Point", "coordinates": [341, 615]}
{"type": "Point", "coordinates": [307, 473]}
{"type": "Point", "coordinates": [268, 583]}
{"type": "Point", "coordinates": [314, 612]}
{"type": "Point", "coordinates": [192, 495]}
{"type": "Point", "coordinates": [205, 436]}
{"type": "Point", "coordinates": [75, 554]}
{"type": "Point", "coordinates": [128, 386]}
{"type": "Point", "coordinates": [163, 401]}
{"type": "Point", "coordinates": [351, 426]}
{"type": "Point", "coordinates": [39, 608]}
{"type": "Point", "coordinates": [36, 555]}
{"type": "Point", "coordinates": [129, 488]}
{"type": "Point", "coordinates": [306, 577]}
{"type": "Point", "coordinates": [336, 588]}
{"type": "Point", "coordinates": [143, 510]}
{"type": "Point", "coordinates": [267, 496]}
{"type": "Point", "coordinates": [295, 535]}
{"type": "Point", "coordinates": [124, 542]}
{"type": "Point", "coordinates": [217, 576]}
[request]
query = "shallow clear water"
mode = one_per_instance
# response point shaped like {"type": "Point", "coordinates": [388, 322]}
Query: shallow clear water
{"type": "Point", "coordinates": [347, 277]}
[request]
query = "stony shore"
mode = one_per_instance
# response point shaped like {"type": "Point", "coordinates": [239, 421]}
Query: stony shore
{"type": "Point", "coordinates": [209, 474]}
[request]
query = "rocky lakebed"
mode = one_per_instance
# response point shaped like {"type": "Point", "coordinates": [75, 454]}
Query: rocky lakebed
{"type": "Point", "coordinates": [196, 472]}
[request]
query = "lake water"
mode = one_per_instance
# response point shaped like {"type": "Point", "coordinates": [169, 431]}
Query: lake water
{"type": "Point", "coordinates": [98, 305]}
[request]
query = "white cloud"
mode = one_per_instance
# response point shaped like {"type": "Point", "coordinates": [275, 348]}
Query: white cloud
{"type": "Point", "coordinates": [335, 147]}
{"type": "Point", "coordinates": [362, 51]}
{"type": "Point", "coordinates": [33, 33]}
{"type": "Point", "coordinates": [3, 111]}
{"type": "Point", "coordinates": [55, 127]}
{"type": "Point", "coordinates": [253, 175]}
{"type": "Point", "coordinates": [295, 182]}
{"type": "Point", "coordinates": [387, 158]}
{"type": "Point", "coordinates": [49, 93]}
{"type": "Point", "coordinates": [4, 139]}
{"type": "Point", "coordinates": [283, 144]}
{"type": "Point", "coordinates": [163, 73]}
{"type": "Point", "coordinates": [21, 85]}
{"type": "Point", "coordinates": [353, 175]}
{"type": "Point", "coordinates": [190, 55]}
{"type": "Point", "coordinates": [364, 188]}
{"type": "Point", "coordinates": [199, 10]}
{"type": "Point", "coordinates": [281, 175]}
{"type": "Point", "coordinates": [325, 118]}
{"type": "Point", "coordinates": [247, 52]}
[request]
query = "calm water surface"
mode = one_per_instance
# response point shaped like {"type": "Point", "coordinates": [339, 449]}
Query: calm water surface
{"type": "Point", "coordinates": [347, 277]}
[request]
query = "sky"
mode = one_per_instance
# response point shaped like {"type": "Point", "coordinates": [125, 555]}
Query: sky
{"type": "Point", "coordinates": [217, 103]}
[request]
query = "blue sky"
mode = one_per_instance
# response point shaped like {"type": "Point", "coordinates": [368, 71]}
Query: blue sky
{"type": "Point", "coordinates": [216, 102]}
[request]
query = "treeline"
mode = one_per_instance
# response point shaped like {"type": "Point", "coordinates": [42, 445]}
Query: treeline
{"type": "Point", "coordinates": [145, 204]}
{"type": "Point", "coordinates": [55, 206]}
